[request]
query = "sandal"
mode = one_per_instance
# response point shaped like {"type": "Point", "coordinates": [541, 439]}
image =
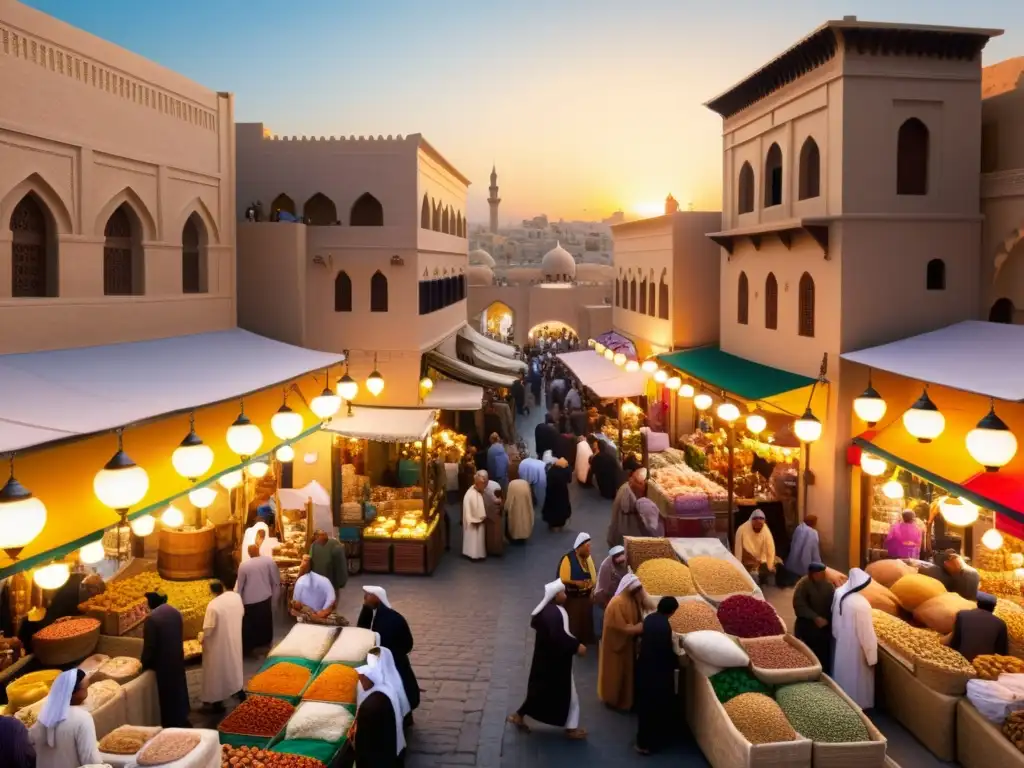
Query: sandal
{"type": "Point", "coordinates": [517, 720]}
{"type": "Point", "coordinates": [576, 734]}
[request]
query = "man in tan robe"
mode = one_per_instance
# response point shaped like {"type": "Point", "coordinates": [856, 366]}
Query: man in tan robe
{"type": "Point", "coordinates": [623, 624]}
{"type": "Point", "coordinates": [519, 511]}
{"type": "Point", "coordinates": [494, 525]}
{"type": "Point", "coordinates": [625, 520]}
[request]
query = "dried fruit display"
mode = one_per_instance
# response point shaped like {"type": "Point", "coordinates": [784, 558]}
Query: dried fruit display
{"type": "Point", "coordinates": [776, 653]}
{"type": "Point", "coordinates": [127, 597]}
{"type": "Point", "coordinates": [820, 714]}
{"type": "Point", "coordinates": [759, 719]}
{"type": "Point", "coordinates": [718, 577]}
{"type": "Point", "coordinates": [918, 644]}
{"type": "Point", "coordinates": [258, 716]}
{"type": "Point", "coordinates": [282, 679]}
{"type": "Point", "coordinates": [693, 616]}
{"type": "Point", "coordinates": [251, 757]}
{"type": "Point", "coordinates": [666, 577]}
{"type": "Point", "coordinates": [337, 683]}
{"type": "Point", "coordinates": [1013, 729]}
{"type": "Point", "coordinates": [640, 549]}
{"type": "Point", "coordinates": [991, 666]}
{"type": "Point", "coordinates": [168, 746]}
{"type": "Point", "coordinates": [745, 616]}
{"type": "Point", "coordinates": [67, 629]}
{"type": "Point", "coordinates": [126, 740]}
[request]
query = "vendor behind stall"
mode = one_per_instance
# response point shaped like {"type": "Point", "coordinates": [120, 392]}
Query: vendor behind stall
{"type": "Point", "coordinates": [755, 548]}
{"type": "Point", "coordinates": [979, 632]}
{"type": "Point", "coordinates": [904, 538]}
{"type": "Point", "coordinates": [327, 559]}
{"type": "Point", "coordinates": [951, 569]}
{"type": "Point", "coordinates": [314, 597]}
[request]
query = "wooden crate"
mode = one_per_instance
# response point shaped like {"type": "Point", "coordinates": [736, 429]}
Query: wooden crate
{"type": "Point", "coordinates": [376, 556]}
{"type": "Point", "coordinates": [411, 556]}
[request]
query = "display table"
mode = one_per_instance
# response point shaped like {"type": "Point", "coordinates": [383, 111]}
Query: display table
{"type": "Point", "coordinates": [205, 755]}
{"type": "Point", "coordinates": [980, 743]}
{"type": "Point", "coordinates": [418, 557]}
{"type": "Point", "coordinates": [931, 717]}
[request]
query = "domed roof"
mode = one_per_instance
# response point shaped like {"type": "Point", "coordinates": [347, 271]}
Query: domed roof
{"type": "Point", "coordinates": [558, 264]}
{"type": "Point", "coordinates": [481, 257]}
{"type": "Point", "coordinates": [478, 274]}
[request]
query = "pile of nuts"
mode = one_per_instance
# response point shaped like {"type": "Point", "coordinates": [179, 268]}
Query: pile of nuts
{"type": "Point", "coordinates": [336, 683]}
{"type": "Point", "coordinates": [759, 719]}
{"type": "Point", "coordinates": [919, 644]}
{"type": "Point", "coordinates": [251, 757]}
{"type": "Point", "coordinates": [167, 746]}
{"type": "Point", "coordinates": [694, 615]}
{"type": "Point", "coordinates": [746, 616]}
{"type": "Point", "coordinates": [1007, 611]}
{"type": "Point", "coordinates": [64, 630]}
{"type": "Point", "coordinates": [775, 653]}
{"type": "Point", "coordinates": [125, 740]}
{"type": "Point", "coordinates": [661, 576]}
{"type": "Point", "coordinates": [282, 679]}
{"type": "Point", "coordinates": [991, 666]}
{"type": "Point", "coordinates": [639, 550]}
{"type": "Point", "coordinates": [718, 577]}
{"type": "Point", "coordinates": [820, 714]}
{"type": "Point", "coordinates": [258, 716]}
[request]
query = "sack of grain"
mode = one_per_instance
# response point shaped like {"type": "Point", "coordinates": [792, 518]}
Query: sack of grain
{"type": "Point", "coordinates": [99, 693]}
{"type": "Point", "coordinates": [93, 663]}
{"type": "Point", "coordinates": [759, 719]}
{"type": "Point", "coordinates": [168, 746]}
{"type": "Point", "coordinates": [939, 613]}
{"type": "Point", "coordinates": [352, 646]}
{"type": "Point", "coordinates": [664, 576]}
{"type": "Point", "coordinates": [888, 572]}
{"type": "Point", "coordinates": [120, 669]}
{"type": "Point", "coordinates": [641, 549]}
{"type": "Point", "coordinates": [915, 588]}
{"type": "Point", "coordinates": [351, 512]}
{"type": "Point", "coordinates": [712, 651]}
{"type": "Point", "coordinates": [881, 598]}
{"type": "Point", "coordinates": [319, 720]}
{"type": "Point", "coordinates": [306, 641]}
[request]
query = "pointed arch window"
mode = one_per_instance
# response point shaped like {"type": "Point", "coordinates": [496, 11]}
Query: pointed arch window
{"type": "Point", "coordinates": [773, 177]}
{"type": "Point", "coordinates": [643, 297]}
{"type": "Point", "coordinates": [33, 250]}
{"type": "Point", "coordinates": [122, 253]}
{"type": "Point", "coordinates": [367, 212]}
{"type": "Point", "coordinates": [806, 317]}
{"type": "Point", "coordinates": [745, 190]}
{"type": "Point", "coordinates": [810, 170]}
{"type": "Point", "coordinates": [935, 278]}
{"type": "Point", "coordinates": [743, 300]}
{"type": "Point", "coordinates": [342, 292]}
{"type": "Point", "coordinates": [444, 221]}
{"type": "Point", "coordinates": [425, 213]}
{"type": "Point", "coordinates": [282, 204]}
{"type": "Point", "coordinates": [193, 256]}
{"type": "Point", "coordinates": [1002, 311]}
{"type": "Point", "coordinates": [320, 211]}
{"type": "Point", "coordinates": [378, 292]}
{"type": "Point", "coordinates": [912, 158]}
{"type": "Point", "coordinates": [771, 303]}
{"type": "Point", "coordinates": [651, 298]}
{"type": "Point", "coordinates": [632, 294]}
{"type": "Point", "coordinates": [435, 217]}
{"type": "Point", "coordinates": [617, 289]}
{"type": "Point", "coordinates": [663, 295]}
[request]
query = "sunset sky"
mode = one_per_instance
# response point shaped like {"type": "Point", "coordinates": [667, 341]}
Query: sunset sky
{"type": "Point", "coordinates": [585, 106]}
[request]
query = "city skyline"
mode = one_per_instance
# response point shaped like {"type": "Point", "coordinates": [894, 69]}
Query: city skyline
{"type": "Point", "coordinates": [582, 110]}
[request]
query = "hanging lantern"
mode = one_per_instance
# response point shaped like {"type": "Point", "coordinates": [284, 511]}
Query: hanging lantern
{"type": "Point", "coordinates": [923, 420]}
{"type": "Point", "coordinates": [347, 387]}
{"type": "Point", "coordinates": [325, 405]}
{"type": "Point", "coordinates": [426, 383]}
{"type": "Point", "coordinates": [192, 458]}
{"type": "Point", "coordinates": [632, 366]}
{"type": "Point", "coordinates": [285, 454]}
{"type": "Point", "coordinates": [121, 484]}
{"type": "Point", "coordinates": [661, 376]}
{"type": "Point", "coordinates": [894, 488]}
{"type": "Point", "coordinates": [375, 382]}
{"type": "Point", "coordinates": [686, 390]}
{"type": "Point", "coordinates": [201, 498]}
{"type": "Point", "coordinates": [992, 539]}
{"type": "Point", "coordinates": [22, 516]}
{"type": "Point", "coordinates": [591, 343]}
{"type": "Point", "coordinates": [991, 443]}
{"type": "Point", "coordinates": [609, 354]}
{"type": "Point", "coordinates": [869, 407]}
{"type": "Point", "coordinates": [702, 401]}
{"type": "Point", "coordinates": [756, 424]}
{"type": "Point", "coordinates": [728, 412]}
{"type": "Point", "coordinates": [258, 469]}
{"type": "Point", "coordinates": [650, 365]}
{"type": "Point", "coordinates": [673, 383]}
{"type": "Point", "coordinates": [287, 424]}
{"type": "Point", "coordinates": [599, 347]}
{"type": "Point", "coordinates": [244, 437]}
{"type": "Point", "coordinates": [230, 480]}
{"type": "Point", "coordinates": [807, 428]}
{"type": "Point", "coordinates": [143, 526]}
{"type": "Point", "coordinates": [172, 517]}
{"type": "Point", "coordinates": [619, 359]}
{"type": "Point", "coordinates": [872, 465]}
{"type": "Point", "coordinates": [958, 511]}
{"type": "Point", "coordinates": [53, 576]}
{"type": "Point", "coordinates": [91, 553]}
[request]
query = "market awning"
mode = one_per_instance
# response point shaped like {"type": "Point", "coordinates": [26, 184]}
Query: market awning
{"type": "Point", "coordinates": [972, 356]}
{"type": "Point", "coordinates": [737, 376]}
{"type": "Point", "coordinates": [70, 393]}
{"type": "Point", "coordinates": [602, 377]}
{"type": "Point", "coordinates": [497, 347]}
{"type": "Point", "coordinates": [450, 395]}
{"type": "Point", "coordinates": [466, 373]}
{"type": "Point", "coordinates": [384, 425]}
{"type": "Point", "coordinates": [485, 358]}
{"type": "Point", "coordinates": [616, 342]}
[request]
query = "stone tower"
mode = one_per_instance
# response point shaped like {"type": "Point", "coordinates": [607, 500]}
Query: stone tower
{"type": "Point", "coordinates": [494, 201]}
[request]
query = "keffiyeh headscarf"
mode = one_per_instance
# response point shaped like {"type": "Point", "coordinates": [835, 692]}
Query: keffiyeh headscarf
{"type": "Point", "coordinates": [629, 582]}
{"type": "Point", "coordinates": [858, 580]}
{"type": "Point", "coordinates": [379, 593]}
{"type": "Point", "coordinates": [550, 590]}
{"type": "Point", "coordinates": [383, 658]}
{"type": "Point", "coordinates": [58, 702]}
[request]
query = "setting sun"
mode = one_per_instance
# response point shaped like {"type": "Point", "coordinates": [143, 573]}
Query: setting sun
{"type": "Point", "coordinates": [647, 210]}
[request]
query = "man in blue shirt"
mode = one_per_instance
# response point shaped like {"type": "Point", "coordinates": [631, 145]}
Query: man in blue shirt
{"type": "Point", "coordinates": [804, 548]}
{"type": "Point", "coordinates": [497, 462]}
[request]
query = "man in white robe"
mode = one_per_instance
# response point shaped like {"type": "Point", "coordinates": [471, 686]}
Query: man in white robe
{"type": "Point", "coordinates": [856, 650]}
{"type": "Point", "coordinates": [222, 645]}
{"type": "Point", "coordinates": [65, 734]}
{"type": "Point", "coordinates": [474, 513]}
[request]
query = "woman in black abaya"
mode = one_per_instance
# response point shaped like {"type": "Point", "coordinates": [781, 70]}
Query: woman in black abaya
{"type": "Point", "coordinates": [655, 680]}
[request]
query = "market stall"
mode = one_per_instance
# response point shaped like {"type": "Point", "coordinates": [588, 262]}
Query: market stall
{"type": "Point", "coordinates": [612, 383]}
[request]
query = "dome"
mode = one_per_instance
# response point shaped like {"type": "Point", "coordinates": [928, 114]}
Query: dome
{"type": "Point", "coordinates": [480, 257]}
{"type": "Point", "coordinates": [558, 265]}
{"type": "Point", "coordinates": [480, 275]}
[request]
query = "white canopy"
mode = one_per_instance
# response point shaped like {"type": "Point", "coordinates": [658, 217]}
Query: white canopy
{"type": "Point", "coordinates": [295, 498]}
{"type": "Point", "coordinates": [470, 374]}
{"type": "Point", "coordinates": [603, 377]}
{"type": "Point", "coordinates": [385, 425]}
{"type": "Point", "coordinates": [454, 396]}
{"type": "Point", "coordinates": [58, 394]}
{"type": "Point", "coordinates": [484, 358]}
{"type": "Point", "coordinates": [973, 356]}
{"type": "Point", "coordinates": [497, 347]}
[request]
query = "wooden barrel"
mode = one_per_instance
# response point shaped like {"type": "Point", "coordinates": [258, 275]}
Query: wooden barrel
{"type": "Point", "coordinates": [186, 555]}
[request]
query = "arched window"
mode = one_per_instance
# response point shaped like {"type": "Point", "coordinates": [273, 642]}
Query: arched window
{"type": "Point", "coordinates": [342, 292]}
{"type": "Point", "coordinates": [617, 292]}
{"type": "Point", "coordinates": [424, 297]}
{"type": "Point", "coordinates": [771, 303]}
{"type": "Point", "coordinates": [462, 287]}
{"type": "Point", "coordinates": [378, 292]}
{"type": "Point", "coordinates": [193, 256]}
{"type": "Point", "coordinates": [444, 221]}
{"type": "Point", "coordinates": [33, 250]}
{"type": "Point", "coordinates": [367, 212]}
{"type": "Point", "coordinates": [458, 225]}
{"type": "Point", "coordinates": [435, 217]}
{"type": "Point", "coordinates": [773, 177]}
{"type": "Point", "coordinates": [663, 296]}
{"type": "Point", "coordinates": [743, 300]}
{"type": "Point", "coordinates": [643, 297]}
{"type": "Point", "coordinates": [425, 213]}
{"type": "Point", "coordinates": [436, 296]}
{"type": "Point", "coordinates": [1002, 312]}
{"type": "Point", "coordinates": [810, 170]}
{"type": "Point", "coordinates": [320, 211]}
{"type": "Point", "coordinates": [912, 158]}
{"type": "Point", "coordinates": [806, 316]}
{"type": "Point", "coordinates": [282, 203]}
{"type": "Point", "coordinates": [651, 299]}
{"type": "Point", "coordinates": [745, 190]}
{"type": "Point", "coordinates": [935, 278]}
{"type": "Point", "coordinates": [632, 295]}
{"type": "Point", "coordinates": [122, 253]}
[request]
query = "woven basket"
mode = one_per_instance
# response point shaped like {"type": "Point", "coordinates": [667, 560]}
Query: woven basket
{"type": "Point", "coordinates": [808, 674]}
{"type": "Point", "coordinates": [856, 754]}
{"type": "Point", "coordinates": [56, 653]}
{"type": "Point", "coordinates": [942, 680]}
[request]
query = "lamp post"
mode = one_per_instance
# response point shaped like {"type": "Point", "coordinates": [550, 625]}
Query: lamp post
{"type": "Point", "coordinates": [729, 413]}
{"type": "Point", "coordinates": [808, 430]}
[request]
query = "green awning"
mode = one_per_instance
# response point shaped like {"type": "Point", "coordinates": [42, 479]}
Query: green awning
{"type": "Point", "coordinates": [743, 378]}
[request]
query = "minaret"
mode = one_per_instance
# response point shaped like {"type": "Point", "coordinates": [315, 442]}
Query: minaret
{"type": "Point", "coordinates": [494, 201]}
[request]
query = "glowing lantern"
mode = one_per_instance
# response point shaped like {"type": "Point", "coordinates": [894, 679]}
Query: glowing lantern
{"type": "Point", "coordinates": [728, 412]}
{"type": "Point", "coordinates": [201, 498]}
{"type": "Point", "coordinates": [375, 382]}
{"type": "Point", "coordinates": [632, 366]}
{"type": "Point", "coordinates": [958, 511]}
{"type": "Point", "coordinates": [22, 516]}
{"type": "Point", "coordinates": [286, 424]}
{"type": "Point", "coordinates": [923, 420]}
{"type": "Point", "coordinates": [590, 343]}
{"type": "Point", "coordinates": [258, 469]}
{"type": "Point", "coordinates": [230, 480]}
{"type": "Point", "coordinates": [172, 517]}
{"type": "Point", "coordinates": [599, 347]}
{"type": "Point", "coordinates": [756, 423]}
{"type": "Point", "coordinates": [53, 576]}
{"type": "Point", "coordinates": [91, 553]}
{"type": "Point", "coordinates": [807, 428]}
{"type": "Point", "coordinates": [285, 454]}
{"type": "Point", "coordinates": [609, 354]}
{"type": "Point", "coordinates": [702, 401]}
{"type": "Point", "coordinates": [686, 390]}
{"type": "Point", "coordinates": [426, 383]}
{"type": "Point", "coordinates": [619, 359]}
{"type": "Point", "coordinates": [121, 484]}
{"type": "Point", "coordinates": [872, 465]}
{"type": "Point", "coordinates": [244, 437]}
{"type": "Point", "coordinates": [992, 539]}
{"type": "Point", "coordinates": [893, 489]}
{"type": "Point", "coordinates": [324, 405]}
{"type": "Point", "coordinates": [143, 526]}
{"type": "Point", "coordinates": [660, 376]}
{"type": "Point", "coordinates": [991, 443]}
{"type": "Point", "coordinates": [650, 365]}
{"type": "Point", "coordinates": [673, 383]}
{"type": "Point", "coordinates": [192, 458]}
{"type": "Point", "coordinates": [869, 407]}
{"type": "Point", "coordinates": [347, 387]}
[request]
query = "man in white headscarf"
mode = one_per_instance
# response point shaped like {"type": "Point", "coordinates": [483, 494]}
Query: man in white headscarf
{"type": "Point", "coordinates": [623, 624]}
{"type": "Point", "coordinates": [856, 651]}
{"type": "Point", "coordinates": [258, 534]}
{"type": "Point", "coordinates": [395, 637]}
{"type": "Point", "coordinates": [383, 658]}
{"type": "Point", "coordinates": [576, 570]}
{"type": "Point", "coordinates": [755, 548]}
{"type": "Point", "coordinates": [612, 569]}
{"type": "Point", "coordinates": [551, 691]}
{"type": "Point", "coordinates": [378, 736]}
{"type": "Point", "coordinates": [474, 515]}
{"type": "Point", "coordinates": [64, 736]}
